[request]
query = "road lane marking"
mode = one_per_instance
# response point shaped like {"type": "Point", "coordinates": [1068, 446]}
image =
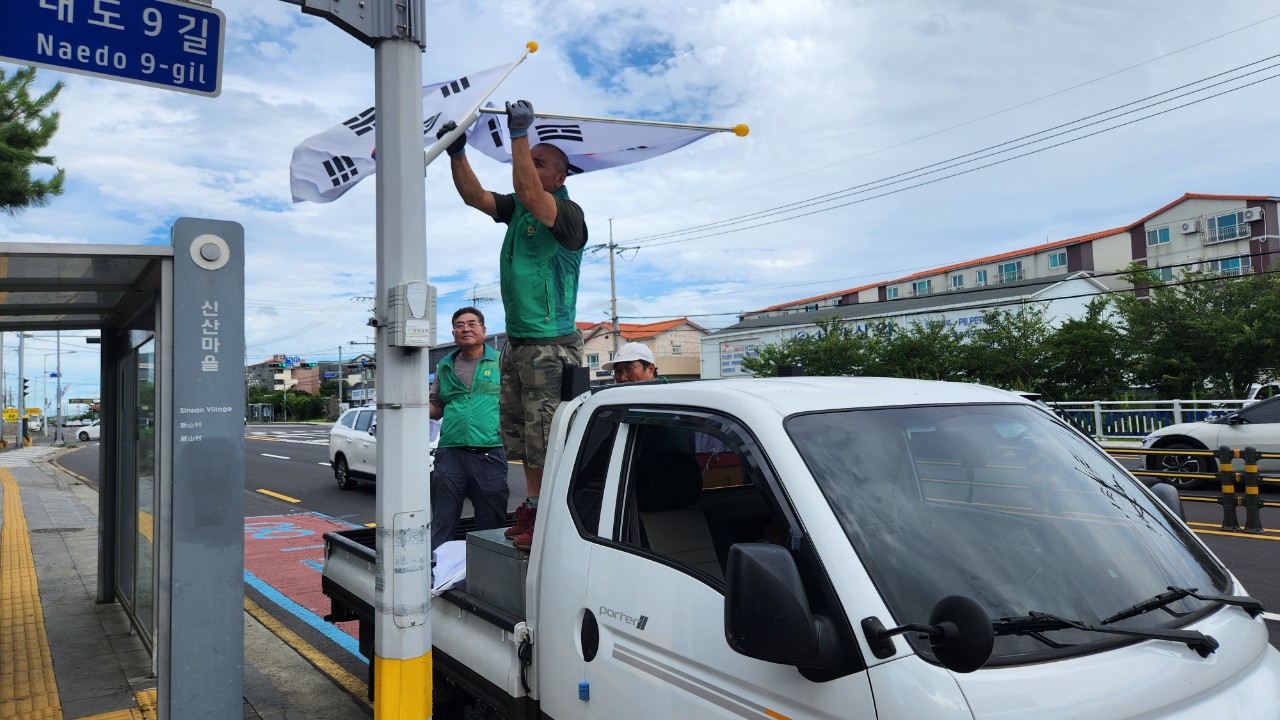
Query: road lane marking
{"type": "Point", "coordinates": [324, 464]}
{"type": "Point", "coordinates": [278, 457]}
{"type": "Point", "coordinates": [1273, 617]}
{"type": "Point", "coordinates": [1248, 536]}
{"type": "Point", "coordinates": [286, 498]}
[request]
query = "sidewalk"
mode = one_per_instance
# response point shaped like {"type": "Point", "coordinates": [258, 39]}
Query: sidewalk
{"type": "Point", "coordinates": [65, 657]}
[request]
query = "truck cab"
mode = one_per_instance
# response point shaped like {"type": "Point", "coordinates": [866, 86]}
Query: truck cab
{"type": "Point", "coordinates": [849, 548]}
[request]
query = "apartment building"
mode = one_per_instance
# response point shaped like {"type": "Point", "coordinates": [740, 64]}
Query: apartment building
{"type": "Point", "coordinates": [1227, 234]}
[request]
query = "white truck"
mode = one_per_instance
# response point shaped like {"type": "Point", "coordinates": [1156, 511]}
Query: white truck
{"type": "Point", "coordinates": [836, 548]}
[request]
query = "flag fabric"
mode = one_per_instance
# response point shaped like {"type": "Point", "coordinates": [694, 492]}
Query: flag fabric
{"type": "Point", "coordinates": [326, 165]}
{"type": "Point", "coordinates": [590, 144]}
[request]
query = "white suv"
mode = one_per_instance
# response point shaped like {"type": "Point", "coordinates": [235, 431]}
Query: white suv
{"type": "Point", "coordinates": [353, 447]}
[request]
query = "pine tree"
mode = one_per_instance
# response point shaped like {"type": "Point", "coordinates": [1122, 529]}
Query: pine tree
{"type": "Point", "coordinates": [26, 126]}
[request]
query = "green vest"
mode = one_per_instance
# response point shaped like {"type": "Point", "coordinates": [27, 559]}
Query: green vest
{"type": "Point", "coordinates": [470, 416]}
{"type": "Point", "coordinates": [539, 278]}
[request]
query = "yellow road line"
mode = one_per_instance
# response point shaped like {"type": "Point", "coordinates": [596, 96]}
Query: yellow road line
{"type": "Point", "coordinates": [1218, 526]}
{"type": "Point", "coordinates": [28, 688]}
{"type": "Point", "coordinates": [286, 498]}
{"type": "Point", "coordinates": [352, 684]}
{"type": "Point", "coordinates": [1249, 536]}
{"type": "Point", "coordinates": [146, 709]}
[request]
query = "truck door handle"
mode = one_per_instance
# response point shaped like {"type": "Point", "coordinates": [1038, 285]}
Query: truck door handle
{"type": "Point", "coordinates": [590, 635]}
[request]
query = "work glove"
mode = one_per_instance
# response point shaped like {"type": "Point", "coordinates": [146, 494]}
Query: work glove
{"type": "Point", "coordinates": [519, 118]}
{"type": "Point", "coordinates": [459, 145]}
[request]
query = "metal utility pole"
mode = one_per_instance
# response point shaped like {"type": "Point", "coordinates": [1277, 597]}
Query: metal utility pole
{"type": "Point", "coordinates": [58, 438]}
{"type": "Point", "coordinates": [396, 29]}
{"type": "Point", "coordinates": [613, 290]}
{"type": "Point", "coordinates": [341, 369]}
{"type": "Point", "coordinates": [22, 395]}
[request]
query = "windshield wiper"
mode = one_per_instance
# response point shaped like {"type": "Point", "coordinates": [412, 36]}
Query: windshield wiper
{"type": "Point", "coordinates": [1034, 623]}
{"type": "Point", "coordinates": [1174, 594]}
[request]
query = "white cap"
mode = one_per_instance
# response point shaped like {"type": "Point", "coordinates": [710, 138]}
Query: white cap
{"type": "Point", "coordinates": [627, 353]}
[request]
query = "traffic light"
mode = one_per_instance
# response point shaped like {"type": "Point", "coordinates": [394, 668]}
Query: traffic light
{"type": "Point", "coordinates": [26, 390]}
{"type": "Point", "coordinates": [308, 364]}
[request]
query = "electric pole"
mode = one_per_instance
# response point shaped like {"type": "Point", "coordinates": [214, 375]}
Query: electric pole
{"type": "Point", "coordinates": [613, 289]}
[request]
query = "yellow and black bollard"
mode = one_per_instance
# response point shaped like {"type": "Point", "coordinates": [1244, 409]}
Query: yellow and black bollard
{"type": "Point", "coordinates": [1252, 500]}
{"type": "Point", "coordinates": [1226, 478]}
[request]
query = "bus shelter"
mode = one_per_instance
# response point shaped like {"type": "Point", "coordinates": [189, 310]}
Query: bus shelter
{"type": "Point", "coordinates": [171, 474]}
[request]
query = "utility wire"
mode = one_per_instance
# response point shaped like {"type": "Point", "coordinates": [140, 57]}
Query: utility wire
{"type": "Point", "coordinates": [963, 172]}
{"type": "Point", "coordinates": [982, 153]}
{"type": "Point", "coordinates": [977, 155]}
{"type": "Point", "coordinates": [966, 122]}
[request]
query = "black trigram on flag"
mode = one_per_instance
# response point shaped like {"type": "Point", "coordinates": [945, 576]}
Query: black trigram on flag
{"type": "Point", "coordinates": [455, 86]}
{"type": "Point", "coordinates": [430, 123]}
{"type": "Point", "coordinates": [494, 133]}
{"type": "Point", "coordinates": [361, 123]}
{"type": "Point", "coordinates": [340, 170]}
{"type": "Point", "coordinates": [558, 132]}
{"type": "Point", "coordinates": [574, 170]}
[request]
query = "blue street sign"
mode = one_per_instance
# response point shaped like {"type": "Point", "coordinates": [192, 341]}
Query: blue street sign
{"type": "Point", "coordinates": [330, 375]}
{"type": "Point", "coordinates": [161, 43]}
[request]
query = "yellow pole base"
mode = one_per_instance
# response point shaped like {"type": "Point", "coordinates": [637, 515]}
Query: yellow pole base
{"type": "Point", "coordinates": [402, 688]}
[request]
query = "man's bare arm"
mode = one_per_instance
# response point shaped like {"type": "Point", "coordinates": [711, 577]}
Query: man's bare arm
{"type": "Point", "coordinates": [524, 176]}
{"type": "Point", "coordinates": [469, 188]}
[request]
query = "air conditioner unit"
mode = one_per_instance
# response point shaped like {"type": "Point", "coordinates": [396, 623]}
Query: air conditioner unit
{"type": "Point", "coordinates": [1251, 214]}
{"type": "Point", "coordinates": [1190, 226]}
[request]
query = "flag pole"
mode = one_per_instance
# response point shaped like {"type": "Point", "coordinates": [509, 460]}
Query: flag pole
{"type": "Point", "coordinates": [434, 151]}
{"type": "Point", "coordinates": [740, 129]}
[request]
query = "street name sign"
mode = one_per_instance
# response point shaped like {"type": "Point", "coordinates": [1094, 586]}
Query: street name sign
{"type": "Point", "coordinates": [160, 43]}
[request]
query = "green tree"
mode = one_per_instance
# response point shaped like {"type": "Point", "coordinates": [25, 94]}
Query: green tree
{"type": "Point", "coordinates": [1203, 333]}
{"type": "Point", "coordinates": [1008, 349]}
{"type": "Point", "coordinates": [26, 126]}
{"type": "Point", "coordinates": [835, 348]}
{"type": "Point", "coordinates": [932, 350]}
{"type": "Point", "coordinates": [1087, 358]}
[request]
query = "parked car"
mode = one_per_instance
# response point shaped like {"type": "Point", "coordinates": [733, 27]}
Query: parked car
{"type": "Point", "coordinates": [1261, 391]}
{"type": "Point", "coordinates": [92, 431]}
{"type": "Point", "coordinates": [353, 448]}
{"type": "Point", "coordinates": [1257, 425]}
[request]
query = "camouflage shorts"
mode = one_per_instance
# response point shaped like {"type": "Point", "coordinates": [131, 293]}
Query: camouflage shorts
{"type": "Point", "coordinates": [530, 395]}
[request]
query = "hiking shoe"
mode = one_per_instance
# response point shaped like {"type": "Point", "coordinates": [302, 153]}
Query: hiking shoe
{"type": "Point", "coordinates": [524, 540]}
{"type": "Point", "coordinates": [523, 521]}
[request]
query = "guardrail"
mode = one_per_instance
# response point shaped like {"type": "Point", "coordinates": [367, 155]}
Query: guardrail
{"type": "Point", "coordinates": [1228, 479]}
{"type": "Point", "coordinates": [1126, 419]}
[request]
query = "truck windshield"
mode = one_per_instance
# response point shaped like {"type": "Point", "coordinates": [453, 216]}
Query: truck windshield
{"type": "Point", "coordinates": [1004, 504]}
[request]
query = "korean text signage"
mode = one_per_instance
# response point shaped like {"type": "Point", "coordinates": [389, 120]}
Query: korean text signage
{"type": "Point", "coordinates": [171, 45]}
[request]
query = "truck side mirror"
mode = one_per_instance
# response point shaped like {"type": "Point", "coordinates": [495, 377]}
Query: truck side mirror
{"type": "Point", "coordinates": [766, 610]}
{"type": "Point", "coordinates": [1168, 495]}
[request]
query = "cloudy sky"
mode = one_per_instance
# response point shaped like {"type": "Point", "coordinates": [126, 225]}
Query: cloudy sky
{"type": "Point", "coordinates": [838, 95]}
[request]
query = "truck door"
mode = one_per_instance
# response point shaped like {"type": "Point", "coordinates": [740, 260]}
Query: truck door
{"type": "Point", "coordinates": [674, 500]}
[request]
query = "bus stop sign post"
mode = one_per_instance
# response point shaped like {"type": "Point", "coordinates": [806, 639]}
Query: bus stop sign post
{"type": "Point", "coordinates": [402, 666]}
{"type": "Point", "coordinates": [165, 44]}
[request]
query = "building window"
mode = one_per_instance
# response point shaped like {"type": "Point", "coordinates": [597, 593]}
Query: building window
{"type": "Point", "coordinates": [1164, 274]}
{"type": "Point", "coordinates": [1230, 266]}
{"type": "Point", "coordinates": [1058, 260]}
{"type": "Point", "coordinates": [1009, 272]}
{"type": "Point", "coordinates": [593, 360]}
{"type": "Point", "coordinates": [922, 287]}
{"type": "Point", "coordinates": [957, 282]}
{"type": "Point", "coordinates": [1159, 236]}
{"type": "Point", "coordinates": [891, 293]}
{"type": "Point", "coordinates": [980, 278]}
{"type": "Point", "coordinates": [1231, 226]}
{"type": "Point", "coordinates": [675, 348]}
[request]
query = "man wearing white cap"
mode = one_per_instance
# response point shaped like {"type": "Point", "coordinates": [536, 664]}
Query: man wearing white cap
{"type": "Point", "coordinates": [632, 363]}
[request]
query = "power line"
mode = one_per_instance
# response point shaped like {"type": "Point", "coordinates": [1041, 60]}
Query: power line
{"type": "Point", "coordinates": [963, 172]}
{"type": "Point", "coordinates": [979, 154]}
{"type": "Point", "coordinates": [966, 122]}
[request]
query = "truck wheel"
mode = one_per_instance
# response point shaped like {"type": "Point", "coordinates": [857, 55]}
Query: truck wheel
{"type": "Point", "coordinates": [343, 474]}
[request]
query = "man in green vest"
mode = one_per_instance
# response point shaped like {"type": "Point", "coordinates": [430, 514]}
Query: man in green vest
{"type": "Point", "coordinates": [470, 461]}
{"type": "Point", "coordinates": [538, 271]}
